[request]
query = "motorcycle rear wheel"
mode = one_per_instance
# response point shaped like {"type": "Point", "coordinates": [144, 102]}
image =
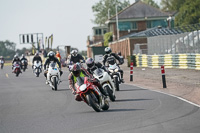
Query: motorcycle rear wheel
{"type": "Point", "coordinates": [92, 103]}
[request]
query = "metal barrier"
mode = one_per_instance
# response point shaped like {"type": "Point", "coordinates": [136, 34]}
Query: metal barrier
{"type": "Point", "coordinates": [182, 61]}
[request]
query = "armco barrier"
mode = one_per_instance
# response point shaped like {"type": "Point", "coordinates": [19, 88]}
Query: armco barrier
{"type": "Point", "coordinates": [182, 61]}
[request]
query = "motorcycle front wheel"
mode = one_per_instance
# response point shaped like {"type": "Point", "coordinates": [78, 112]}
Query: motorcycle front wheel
{"type": "Point", "coordinates": [116, 83]}
{"type": "Point", "coordinates": [93, 103]}
{"type": "Point", "coordinates": [55, 83]}
{"type": "Point", "coordinates": [110, 93]}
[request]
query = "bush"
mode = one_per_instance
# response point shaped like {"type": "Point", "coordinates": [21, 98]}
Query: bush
{"type": "Point", "coordinates": [107, 38]}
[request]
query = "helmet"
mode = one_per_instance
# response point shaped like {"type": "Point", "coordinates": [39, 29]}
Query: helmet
{"type": "Point", "coordinates": [108, 50]}
{"type": "Point", "coordinates": [74, 53]}
{"type": "Point", "coordinates": [37, 54]}
{"type": "Point", "coordinates": [119, 53]}
{"type": "Point", "coordinates": [90, 63]}
{"type": "Point", "coordinates": [76, 70]}
{"type": "Point", "coordinates": [51, 54]}
{"type": "Point", "coordinates": [16, 56]}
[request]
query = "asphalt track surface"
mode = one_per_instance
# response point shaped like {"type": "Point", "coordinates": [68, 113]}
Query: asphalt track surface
{"type": "Point", "coordinates": [27, 105]}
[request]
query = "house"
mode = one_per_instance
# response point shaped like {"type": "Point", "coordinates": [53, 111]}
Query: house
{"type": "Point", "coordinates": [134, 19]}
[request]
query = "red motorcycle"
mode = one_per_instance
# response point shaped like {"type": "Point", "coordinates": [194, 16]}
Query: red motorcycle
{"type": "Point", "coordinates": [90, 94]}
{"type": "Point", "coordinates": [16, 68]}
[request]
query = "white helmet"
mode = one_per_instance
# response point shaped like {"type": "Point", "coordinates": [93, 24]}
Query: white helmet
{"type": "Point", "coordinates": [74, 53]}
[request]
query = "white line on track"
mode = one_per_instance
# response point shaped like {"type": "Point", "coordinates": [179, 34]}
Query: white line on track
{"type": "Point", "coordinates": [167, 94]}
{"type": "Point", "coordinates": [7, 75]}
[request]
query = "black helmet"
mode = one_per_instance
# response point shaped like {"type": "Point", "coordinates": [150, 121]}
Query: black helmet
{"type": "Point", "coordinates": [51, 54]}
{"type": "Point", "coordinates": [108, 50]}
{"type": "Point", "coordinates": [76, 70]}
{"type": "Point", "coordinates": [90, 63]}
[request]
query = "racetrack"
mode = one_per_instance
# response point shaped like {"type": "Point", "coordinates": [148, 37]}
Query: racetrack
{"type": "Point", "coordinates": [27, 105]}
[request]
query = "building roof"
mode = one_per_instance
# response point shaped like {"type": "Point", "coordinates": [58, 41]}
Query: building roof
{"type": "Point", "coordinates": [140, 10]}
{"type": "Point", "coordinates": [157, 31]}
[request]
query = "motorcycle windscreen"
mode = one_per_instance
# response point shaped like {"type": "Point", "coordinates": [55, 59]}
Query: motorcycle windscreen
{"type": "Point", "coordinates": [53, 65]}
{"type": "Point", "coordinates": [98, 72]}
{"type": "Point", "coordinates": [79, 81]}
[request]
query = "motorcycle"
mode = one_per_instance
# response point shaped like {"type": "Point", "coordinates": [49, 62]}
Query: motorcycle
{"type": "Point", "coordinates": [16, 68]}
{"type": "Point", "coordinates": [113, 68]}
{"type": "Point", "coordinates": [37, 68]}
{"type": "Point", "coordinates": [1, 64]}
{"type": "Point", "coordinates": [53, 76]}
{"type": "Point", "coordinates": [91, 94]}
{"type": "Point", "coordinates": [24, 65]}
{"type": "Point", "coordinates": [105, 81]}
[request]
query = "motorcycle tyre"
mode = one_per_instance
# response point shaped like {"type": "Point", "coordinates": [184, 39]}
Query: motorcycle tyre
{"type": "Point", "coordinates": [110, 93]}
{"type": "Point", "coordinates": [92, 103]}
{"type": "Point", "coordinates": [106, 105]}
{"type": "Point", "coordinates": [17, 73]}
{"type": "Point", "coordinates": [116, 83]}
{"type": "Point", "coordinates": [54, 84]}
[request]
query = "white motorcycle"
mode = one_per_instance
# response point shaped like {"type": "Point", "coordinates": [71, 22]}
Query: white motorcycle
{"type": "Point", "coordinates": [53, 76]}
{"type": "Point", "coordinates": [37, 68]}
{"type": "Point", "coordinates": [115, 74]}
{"type": "Point", "coordinates": [105, 81]}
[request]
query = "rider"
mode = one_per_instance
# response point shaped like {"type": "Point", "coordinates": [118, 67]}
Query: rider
{"type": "Point", "coordinates": [37, 58]}
{"type": "Point", "coordinates": [79, 71]}
{"type": "Point", "coordinates": [75, 57]}
{"type": "Point", "coordinates": [24, 58]}
{"type": "Point", "coordinates": [58, 55]}
{"type": "Point", "coordinates": [51, 58]}
{"type": "Point", "coordinates": [16, 59]}
{"type": "Point", "coordinates": [91, 65]}
{"type": "Point", "coordinates": [1, 58]}
{"type": "Point", "coordinates": [110, 55]}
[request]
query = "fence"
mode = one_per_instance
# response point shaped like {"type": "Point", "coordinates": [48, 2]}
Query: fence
{"type": "Point", "coordinates": [185, 39]}
{"type": "Point", "coordinates": [182, 61]}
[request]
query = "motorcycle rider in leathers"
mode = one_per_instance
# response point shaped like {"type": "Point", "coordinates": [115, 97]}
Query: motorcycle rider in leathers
{"type": "Point", "coordinates": [79, 71]}
{"type": "Point", "coordinates": [109, 54]}
{"type": "Point", "coordinates": [17, 59]}
{"type": "Point", "coordinates": [51, 58]}
{"type": "Point", "coordinates": [75, 57]}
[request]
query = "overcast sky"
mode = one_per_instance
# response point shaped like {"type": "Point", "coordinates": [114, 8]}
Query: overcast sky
{"type": "Point", "coordinates": [68, 20]}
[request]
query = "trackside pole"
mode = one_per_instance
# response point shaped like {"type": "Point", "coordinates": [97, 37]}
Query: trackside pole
{"type": "Point", "coordinates": [163, 76]}
{"type": "Point", "coordinates": [131, 71]}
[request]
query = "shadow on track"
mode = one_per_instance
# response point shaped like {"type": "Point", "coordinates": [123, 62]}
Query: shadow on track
{"type": "Point", "coordinates": [126, 100]}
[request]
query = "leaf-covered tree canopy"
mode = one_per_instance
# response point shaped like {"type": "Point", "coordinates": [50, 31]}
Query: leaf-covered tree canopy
{"type": "Point", "coordinates": [7, 48]}
{"type": "Point", "coordinates": [189, 13]}
{"type": "Point", "coordinates": [152, 3]}
{"type": "Point", "coordinates": [102, 8]}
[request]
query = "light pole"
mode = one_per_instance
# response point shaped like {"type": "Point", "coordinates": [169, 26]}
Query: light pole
{"type": "Point", "coordinates": [108, 13]}
{"type": "Point", "coordinates": [117, 24]}
{"type": "Point", "coordinates": [169, 20]}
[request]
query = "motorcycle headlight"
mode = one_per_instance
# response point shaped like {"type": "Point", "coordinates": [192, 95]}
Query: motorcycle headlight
{"type": "Point", "coordinates": [111, 71]}
{"type": "Point", "coordinates": [116, 70]}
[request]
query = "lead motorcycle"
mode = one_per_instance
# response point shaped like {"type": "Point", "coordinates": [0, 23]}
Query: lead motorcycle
{"type": "Point", "coordinates": [91, 94]}
{"type": "Point", "coordinates": [16, 68]}
{"type": "Point", "coordinates": [53, 76]}
{"type": "Point", "coordinates": [105, 81]}
{"type": "Point", "coordinates": [37, 68]}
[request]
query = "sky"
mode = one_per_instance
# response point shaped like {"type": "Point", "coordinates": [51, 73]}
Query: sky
{"type": "Point", "coordinates": [68, 20]}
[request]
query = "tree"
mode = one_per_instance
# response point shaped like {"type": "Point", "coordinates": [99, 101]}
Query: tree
{"type": "Point", "coordinates": [152, 3]}
{"type": "Point", "coordinates": [7, 49]}
{"type": "Point", "coordinates": [103, 6]}
{"type": "Point", "coordinates": [189, 13]}
{"type": "Point", "coordinates": [171, 5]}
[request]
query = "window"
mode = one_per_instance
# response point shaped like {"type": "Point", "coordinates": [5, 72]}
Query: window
{"type": "Point", "coordinates": [149, 25]}
{"type": "Point", "coordinates": [133, 25]}
{"type": "Point", "coordinates": [98, 31]}
{"type": "Point", "coordinates": [104, 31]}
